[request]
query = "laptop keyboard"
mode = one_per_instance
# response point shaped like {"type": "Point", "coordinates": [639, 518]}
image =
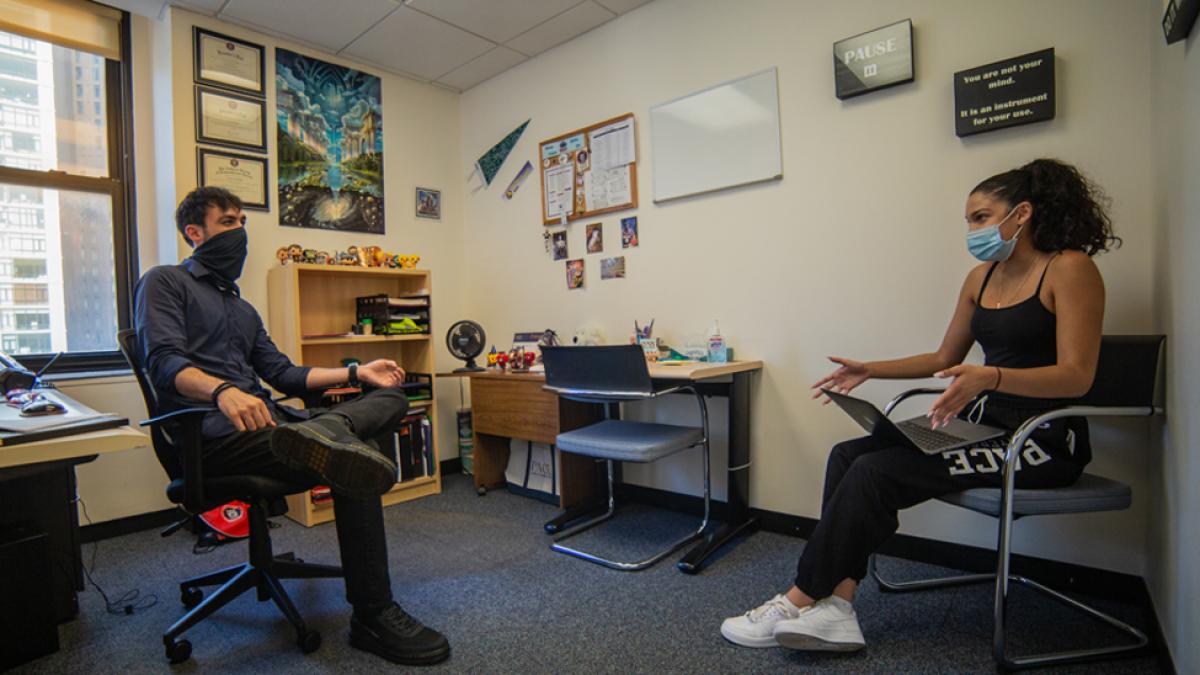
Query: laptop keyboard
{"type": "Point", "coordinates": [928, 438]}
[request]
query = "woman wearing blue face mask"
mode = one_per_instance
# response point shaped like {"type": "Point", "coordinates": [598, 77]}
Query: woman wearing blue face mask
{"type": "Point", "coordinates": [1035, 304]}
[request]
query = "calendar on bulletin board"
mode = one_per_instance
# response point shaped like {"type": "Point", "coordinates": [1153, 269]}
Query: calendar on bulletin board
{"type": "Point", "coordinates": [589, 171]}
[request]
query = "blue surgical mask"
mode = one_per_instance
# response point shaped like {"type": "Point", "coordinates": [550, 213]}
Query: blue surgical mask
{"type": "Point", "coordinates": [986, 243]}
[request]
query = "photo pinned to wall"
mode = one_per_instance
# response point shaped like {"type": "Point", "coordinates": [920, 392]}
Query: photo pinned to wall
{"type": "Point", "coordinates": [595, 238]}
{"type": "Point", "coordinates": [612, 268]}
{"type": "Point", "coordinates": [574, 274]}
{"type": "Point", "coordinates": [558, 244]}
{"type": "Point", "coordinates": [629, 232]}
{"type": "Point", "coordinates": [330, 139]}
{"type": "Point", "coordinates": [429, 203]}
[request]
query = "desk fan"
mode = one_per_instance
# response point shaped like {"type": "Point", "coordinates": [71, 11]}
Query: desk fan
{"type": "Point", "coordinates": [465, 341]}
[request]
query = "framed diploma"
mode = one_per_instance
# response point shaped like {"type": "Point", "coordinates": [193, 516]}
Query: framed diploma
{"type": "Point", "coordinates": [223, 118]}
{"type": "Point", "coordinates": [243, 175]}
{"type": "Point", "coordinates": [223, 61]}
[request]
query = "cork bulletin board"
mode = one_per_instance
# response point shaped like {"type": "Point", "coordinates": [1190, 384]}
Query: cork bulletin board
{"type": "Point", "coordinates": [589, 171]}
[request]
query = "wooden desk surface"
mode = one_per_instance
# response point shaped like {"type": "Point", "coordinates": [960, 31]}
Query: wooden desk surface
{"type": "Point", "coordinates": [660, 371]}
{"type": "Point", "coordinates": [67, 447]}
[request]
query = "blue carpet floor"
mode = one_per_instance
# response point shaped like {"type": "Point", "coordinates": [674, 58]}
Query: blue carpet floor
{"type": "Point", "coordinates": [479, 569]}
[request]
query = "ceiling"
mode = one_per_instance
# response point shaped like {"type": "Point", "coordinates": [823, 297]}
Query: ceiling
{"type": "Point", "coordinates": [452, 43]}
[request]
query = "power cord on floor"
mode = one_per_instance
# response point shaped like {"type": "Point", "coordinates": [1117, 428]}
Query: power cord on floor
{"type": "Point", "coordinates": [128, 603]}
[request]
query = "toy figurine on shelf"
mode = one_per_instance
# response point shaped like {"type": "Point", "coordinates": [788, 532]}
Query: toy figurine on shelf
{"type": "Point", "coordinates": [346, 258]}
{"type": "Point", "coordinates": [530, 359]}
{"type": "Point", "coordinates": [309, 255]}
{"type": "Point", "coordinates": [322, 258]}
{"type": "Point", "coordinates": [491, 357]}
{"type": "Point", "coordinates": [516, 359]}
{"type": "Point", "coordinates": [295, 252]}
{"type": "Point", "coordinates": [408, 262]}
{"type": "Point", "coordinates": [502, 360]}
{"type": "Point", "coordinates": [369, 255]}
{"type": "Point", "coordinates": [357, 255]}
{"type": "Point", "coordinates": [283, 256]}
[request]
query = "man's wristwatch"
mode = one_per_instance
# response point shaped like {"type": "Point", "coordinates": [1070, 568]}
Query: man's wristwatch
{"type": "Point", "coordinates": [354, 375]}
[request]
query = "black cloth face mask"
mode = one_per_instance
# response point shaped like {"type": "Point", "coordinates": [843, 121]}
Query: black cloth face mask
{"type": "Point", "coordinates": [224, 255]}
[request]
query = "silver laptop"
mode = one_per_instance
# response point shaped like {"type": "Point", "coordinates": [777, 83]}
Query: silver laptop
{"type": "Point", "coordinates": [916, 433]}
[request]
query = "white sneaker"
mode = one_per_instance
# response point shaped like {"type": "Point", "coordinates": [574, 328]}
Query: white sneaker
{"type": "Point", "coordinates": [755, 628]}
{"type": "Point", "coordinates": [829, 625]}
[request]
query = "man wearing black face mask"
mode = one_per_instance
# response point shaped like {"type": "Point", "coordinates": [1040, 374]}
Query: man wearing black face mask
{"type": "Point", "coordinates": [202, 342]}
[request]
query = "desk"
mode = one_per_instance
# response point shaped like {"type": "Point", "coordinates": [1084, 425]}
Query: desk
{"type": "Point", "coordinates": [37, 484]}
{"type": "Point", "coordinates": [508, 405]}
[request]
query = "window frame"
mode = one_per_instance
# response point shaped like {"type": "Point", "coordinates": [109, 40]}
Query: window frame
{"type": "Point", "coordinates": [119, 185]}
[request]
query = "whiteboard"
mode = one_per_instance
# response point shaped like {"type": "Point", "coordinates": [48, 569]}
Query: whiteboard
{"type": "Point", "coordinates": [720, 137]}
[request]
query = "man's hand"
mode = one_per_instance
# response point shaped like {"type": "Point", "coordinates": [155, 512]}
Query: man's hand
{"type": "Point", "coordinates": [246, 412]}
{"type": "Point", "coordinates": [381, 373]}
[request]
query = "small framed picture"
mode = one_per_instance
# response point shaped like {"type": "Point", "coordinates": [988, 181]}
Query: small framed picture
{"type": "Point", "coordinates": [243, 175]}
{"type": "Point", "coordinates": [223, 118]}
{"type": "Point", "coordinates": [429, 203]}
{"type": "Point", "coordinates": [595, 238]}
{"type": "Point", "coordinates": [227, 62]}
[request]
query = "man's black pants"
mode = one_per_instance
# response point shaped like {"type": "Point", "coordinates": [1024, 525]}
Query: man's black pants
{"type": "Point", "coordinates": [868, 481]}
{"type": "Point", "coordinates": [359, 520]}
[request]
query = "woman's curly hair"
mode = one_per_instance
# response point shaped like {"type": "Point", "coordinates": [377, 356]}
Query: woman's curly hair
{"type": "Point", "coordinates": [1068, 209]}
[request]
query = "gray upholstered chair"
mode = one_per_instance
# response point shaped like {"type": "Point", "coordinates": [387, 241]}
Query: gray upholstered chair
{"type": "Point", "coordinates": [1126, 384]}
{"type": "Point", "coordinates": [611, 375]}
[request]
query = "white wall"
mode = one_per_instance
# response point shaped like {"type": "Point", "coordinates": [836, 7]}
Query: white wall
{"type": "Point", "coordinates": [1175, 475]}
{"type": "Point", "coordinates": [421, 147]}
{"type": "Point", "coordinates": [872, 198]}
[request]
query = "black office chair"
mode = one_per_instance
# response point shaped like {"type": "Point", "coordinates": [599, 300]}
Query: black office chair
{"type": "Point", "coordinates": [177, 443]}
{"type": "Point", "coordinates": [1126, 384]}
{"type": "Point", "coordinates": [612, 375]}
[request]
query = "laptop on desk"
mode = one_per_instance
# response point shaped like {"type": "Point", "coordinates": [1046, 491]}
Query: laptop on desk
{"type": "Point", "coordinates": [915, 433]}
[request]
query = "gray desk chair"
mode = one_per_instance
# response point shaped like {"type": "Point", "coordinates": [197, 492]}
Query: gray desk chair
{"type": "Point", "coordinates": [612, 375]}
{"type": "Point", "coordinates": [1126, 384]}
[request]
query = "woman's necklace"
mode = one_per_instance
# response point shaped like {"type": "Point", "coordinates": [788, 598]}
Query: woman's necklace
{"type": "Point", "coordinates": [1000, 291]}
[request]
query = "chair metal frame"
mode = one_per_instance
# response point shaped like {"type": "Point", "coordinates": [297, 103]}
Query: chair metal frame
{"type": "Point", "coordinates": [1003, 575]}
{"type": "Point", "coordinates": [179, 431]}
{"type": "Point", "coordinates": [591, 396]}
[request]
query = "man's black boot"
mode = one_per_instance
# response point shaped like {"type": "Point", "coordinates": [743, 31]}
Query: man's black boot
{"type": "Point", "coordinates": [325, 446]}
{"type": "Point", "coordinates": [397, 637]}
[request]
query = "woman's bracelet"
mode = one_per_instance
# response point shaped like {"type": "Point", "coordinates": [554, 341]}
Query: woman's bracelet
{"type": "Point", "coordinates": [999, 376]}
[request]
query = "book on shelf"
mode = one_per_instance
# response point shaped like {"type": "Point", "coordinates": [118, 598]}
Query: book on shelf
{"type": "Point", "coordinates": [414, 447]}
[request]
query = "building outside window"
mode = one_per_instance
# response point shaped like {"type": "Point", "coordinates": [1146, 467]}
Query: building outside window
{"type": "Point", "coordinates": [67, 260]}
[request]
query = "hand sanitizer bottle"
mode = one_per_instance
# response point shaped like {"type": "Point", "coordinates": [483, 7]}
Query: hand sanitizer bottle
{"type": "Point", "coordinates": [716, 345]}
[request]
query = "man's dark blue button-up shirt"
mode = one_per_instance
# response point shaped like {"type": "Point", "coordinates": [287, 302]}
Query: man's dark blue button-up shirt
{"type": "Point", "coordinates": [184, 320]}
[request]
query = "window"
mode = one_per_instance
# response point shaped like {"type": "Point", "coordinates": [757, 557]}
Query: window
{"type": "Point", "coordinates": [67, 252]}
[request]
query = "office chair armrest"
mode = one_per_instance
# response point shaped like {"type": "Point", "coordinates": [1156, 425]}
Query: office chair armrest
{"type": "Point", "coordinates": [176, 415]}
{"type": "Point", "coordinates": [920, 391]}
{"type": "Point", "coordinates": [191, 450]}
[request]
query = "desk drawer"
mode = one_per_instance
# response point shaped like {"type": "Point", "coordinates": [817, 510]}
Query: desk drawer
{"type": "Point", "coordinates": [515, 409]}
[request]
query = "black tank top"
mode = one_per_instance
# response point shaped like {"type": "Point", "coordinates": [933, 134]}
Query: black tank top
{"type": "Point", "coordinates": [1019, 336]}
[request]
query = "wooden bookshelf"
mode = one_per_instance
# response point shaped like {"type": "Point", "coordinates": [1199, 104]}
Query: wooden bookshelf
{"type": "Point", "coordinates": [319, 300]}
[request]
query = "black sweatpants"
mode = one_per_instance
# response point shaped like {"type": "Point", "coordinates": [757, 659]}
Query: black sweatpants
{"type": "Point", "coordinates": [359, 521]}
{"type": "Point", "coordinates": [868, 481]}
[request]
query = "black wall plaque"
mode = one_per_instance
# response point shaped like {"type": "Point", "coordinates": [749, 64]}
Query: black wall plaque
{"type": "Point", "coordinates": [1003, 94]}
{"type": "Point", "coordinates": [873, 60]}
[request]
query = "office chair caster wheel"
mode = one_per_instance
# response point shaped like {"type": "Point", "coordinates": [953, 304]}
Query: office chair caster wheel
{"type": "Point", "coordinates": [178, 652]}
{"type": "Point", "coordinates": [190, 597]}
{"type": "Point", "coordinates": [309, 642]}
{"type": "Point", "coordinates": [481, 491]}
